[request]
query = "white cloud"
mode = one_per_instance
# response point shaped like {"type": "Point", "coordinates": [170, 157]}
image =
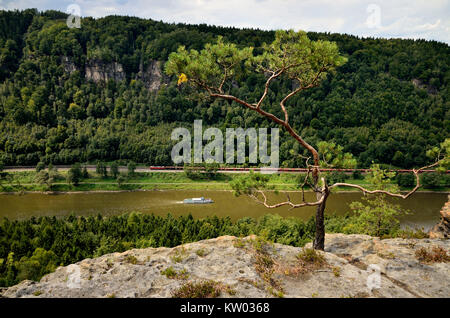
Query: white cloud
{"type": "Point", "coordinates": [429, 26]}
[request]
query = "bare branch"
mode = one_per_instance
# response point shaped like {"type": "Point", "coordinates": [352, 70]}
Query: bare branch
{"type": "Point", "coordinates": [284, 123]}
{"type": "Point", "coordinates": [277, 120]}
{"type": "Point", "coordinates": [403, 196]}
{"type": "Point", "coordinates": [289, 202]}
{"type": "Point", "coordinates": [233, 98]}
{"type": "Point", "coordinates": [305, 181]}
{"type": "Point", "coordinates": [274, 75]}
{"type": "Point", "coordinates": [203, 85]}
{"type": "Point", "coordinates": [223, 80]}
{"type": "Point", "coordinates": [286, 116]}
{"type": "Point", "coordinates": [298, 89]}
{"type": "Point", "coordinates": [266, 88]}
{"type": "Point", "coordinates": [225, 75]}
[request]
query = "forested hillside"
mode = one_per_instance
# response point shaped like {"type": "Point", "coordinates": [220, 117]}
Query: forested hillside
{"type": "Point", "coordinates": [99, 92]}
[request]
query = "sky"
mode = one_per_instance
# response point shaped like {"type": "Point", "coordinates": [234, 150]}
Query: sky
{"type": "Point", "coordinates": [412, 19]}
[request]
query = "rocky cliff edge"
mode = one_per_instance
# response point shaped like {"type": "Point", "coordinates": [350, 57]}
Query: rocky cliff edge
{"type": "Point", "coordinates": [351, 266]}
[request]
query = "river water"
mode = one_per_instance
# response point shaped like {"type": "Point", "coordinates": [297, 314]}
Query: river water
{"type": "Point", "coordinates": [424, 207]}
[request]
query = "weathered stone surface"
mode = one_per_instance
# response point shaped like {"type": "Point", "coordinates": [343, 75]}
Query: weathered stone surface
{"type": "Point", "coordinates": [153, 76]}
{"type": "Point", "coordinates": [137, 273]}
{"type": "Point", "coordinates": [397, 261]}
{"type": "Point", "coordinates": [98, 71]}
{"type": "Point", "coordinates": [442, 229]}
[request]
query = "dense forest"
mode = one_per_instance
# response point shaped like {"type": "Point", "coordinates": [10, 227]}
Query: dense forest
{"type": "Point", "coordinates": [34, 247]}
{"type": "Point", "coordinates": [388, 104]}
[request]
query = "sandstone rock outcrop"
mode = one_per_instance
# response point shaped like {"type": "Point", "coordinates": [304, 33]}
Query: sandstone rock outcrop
{"type": "Point", "coordinates": [351, 262]}
{"type": "Point", "coordinates": [99, 71]}
{"type": "Point", "coordinates": [152, 76]}
{"type": "Point", "coordinates": [442, 229]}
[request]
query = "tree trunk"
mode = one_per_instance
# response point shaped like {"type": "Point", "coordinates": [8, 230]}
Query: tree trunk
{"type": "Point", "coordinates": [319, 240]}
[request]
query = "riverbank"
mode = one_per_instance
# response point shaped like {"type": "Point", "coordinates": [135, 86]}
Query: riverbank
{"type": "Point", "coordinates": [202, 189]}
{"type": "Point", "coordinates": [25, 182]}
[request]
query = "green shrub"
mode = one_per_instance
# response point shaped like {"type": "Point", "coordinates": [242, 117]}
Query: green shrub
{"type": "Point", "coordinates": [288, 231]}
{"type": "Point", "coordinates": [114, 169]}
{"type": "Point", "coordinates": [204, 289]}
{"type": "Point", "coordinates": [46, 178]}
{"type": "Point", "coordinates": [405, 180]}
{"type": "Point", "coordinates": [120, 180]}
{"type": "Point", "coordinates": [337, 176]}
{"type": "Point", "coordinates": [101, 169]}
{"type": "Point", "coordinates": [434, 255]}
{"type": "Point", "coordinates": [169, 272]}
{"type": "Point", "coordinates": [374, 216]}
{"type": "Point", "coordinates": [357, 175]}
{"type": "Point", "coordinates": [131, 167]}
{"type": "Point", "coordinates": [310, 256]}
{"type": "Point", "coordinates": [85, 173]}
{"type": "Point", "coordinates": [40, 263]}
{"type": "Point", "coordinates": [131, 259]}
{"type": "Point", "coordinates": [74, 174]}
{"type": "Point", "coordinates": [40, 166]}
{"type": "Point", "coordinates": [430, 180]}
{"type": "Point", "coordinates": [203, 171]}
{"type": "Point", "coordinates": [200, 252]}
{"type": "Point", "coordinates": [445, 180]}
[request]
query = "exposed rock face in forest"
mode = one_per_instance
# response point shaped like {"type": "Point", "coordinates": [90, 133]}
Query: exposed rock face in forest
{"type": "Point", "coordinates": [442, 229]}
{"type": "Point", "coordinates": [98, 71]}
{"type": "Point", "coordinates": [419, 84]}
{"type": "Point", "coordinates": [152, 76]}
{"type": "Point", "coordinates": [68, 64]}
{"type": "Point", "coordinates": [248, 268]}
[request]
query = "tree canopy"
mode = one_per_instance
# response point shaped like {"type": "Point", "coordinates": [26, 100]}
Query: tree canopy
{"type": "Point", "coordinates": [385, 104]}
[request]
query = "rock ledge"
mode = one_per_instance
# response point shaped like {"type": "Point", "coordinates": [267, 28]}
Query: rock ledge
{"type": "Point", "coordinates": [389, 265]}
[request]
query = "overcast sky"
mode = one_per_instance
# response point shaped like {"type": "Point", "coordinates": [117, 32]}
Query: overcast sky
{"type": "Point", "coordinates": [426, 19]}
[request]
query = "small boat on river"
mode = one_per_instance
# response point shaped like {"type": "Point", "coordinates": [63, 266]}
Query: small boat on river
{"type": "Point", "coordinates": [201, 200]}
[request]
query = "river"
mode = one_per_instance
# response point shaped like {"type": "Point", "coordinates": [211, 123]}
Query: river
{"type": "Point", "coordinates": [423, 207]}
